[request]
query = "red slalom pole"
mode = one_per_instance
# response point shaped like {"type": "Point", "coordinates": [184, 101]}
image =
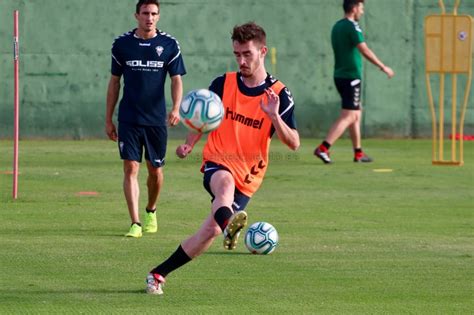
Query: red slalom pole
{"type": "Point", "coordinates": [16, 102]}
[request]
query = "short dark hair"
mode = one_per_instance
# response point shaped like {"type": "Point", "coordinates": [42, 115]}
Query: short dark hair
{"type": "Point", "coordinates": [146, 2]}
{"type": "Point", "coordinates": [348, 5]}
{"type": "Point", "coordinates": [249, 31]}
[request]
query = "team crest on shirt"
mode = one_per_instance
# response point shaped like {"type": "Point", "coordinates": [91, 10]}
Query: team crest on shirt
{"type": "Point", "coordinates": [159, 50]}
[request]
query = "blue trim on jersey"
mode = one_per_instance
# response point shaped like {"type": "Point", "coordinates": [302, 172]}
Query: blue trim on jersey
{"type": "Point", "coordinates": [144, 64]}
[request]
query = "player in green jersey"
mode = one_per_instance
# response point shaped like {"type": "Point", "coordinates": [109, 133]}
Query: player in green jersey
{"type": "Point", "coordinates": [349, 46]}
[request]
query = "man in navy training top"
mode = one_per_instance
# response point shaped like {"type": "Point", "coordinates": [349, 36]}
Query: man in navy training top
{"type": "Point", "coordinates": [143, 57]}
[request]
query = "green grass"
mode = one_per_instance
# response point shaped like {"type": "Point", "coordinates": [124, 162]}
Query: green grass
{"type": "Point", "coordinates": [352, 241]}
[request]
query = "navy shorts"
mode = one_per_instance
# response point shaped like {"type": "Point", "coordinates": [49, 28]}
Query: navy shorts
{"type": "Point", "coordinates": [240, 200]}
{"type": "Point", "coordinates": [133, 138]}
{"type": "Point", "coordinates": [350, 91]}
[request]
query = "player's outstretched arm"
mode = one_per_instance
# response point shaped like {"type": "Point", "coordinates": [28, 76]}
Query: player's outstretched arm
{"type": "Point", "coordinates": [370, 56]}
{"type": "Point", "coordinates": [288, 136]}
{"type": "Point", "coordinates": [113, 91]}
{"type": "Point", "coordinates": [185, 149]}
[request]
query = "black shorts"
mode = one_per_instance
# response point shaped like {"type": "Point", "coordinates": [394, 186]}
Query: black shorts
{"type": "Point", "coordinates": [350, 91]}
{"type": "Point", "coordinates": [133, 138]}
{"type": "Point", "coordinates": [209, 168]}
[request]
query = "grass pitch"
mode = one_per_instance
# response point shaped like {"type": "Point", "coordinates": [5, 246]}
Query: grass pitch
{"type": "Point", "coordinates": [352, 240]}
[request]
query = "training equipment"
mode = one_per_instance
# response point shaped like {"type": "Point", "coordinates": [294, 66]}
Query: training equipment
{"type": "Point", "coordinates": [201, 111]}
{"type": "Point", "coordinates": [232, 231]}
{"type": "Point", "coordinates": [448, 51]}
{"type": "Point", "coordinates": [261, 238]}
{"type": "Point", "coordinates": [382, 170]}
{"type": "Point", "coordinates": [16, 101]}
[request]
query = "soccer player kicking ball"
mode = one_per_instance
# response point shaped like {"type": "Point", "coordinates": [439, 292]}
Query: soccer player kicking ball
{"type": "Point", "coordinates": [348, 44]}
{"type": "Point", "coordinates": [235, 157]}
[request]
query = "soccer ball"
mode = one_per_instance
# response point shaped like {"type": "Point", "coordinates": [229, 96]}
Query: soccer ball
{"type": "Point", "coordinates": [261, 238]}
{"type": "Point", "coordinates": [201, 111]}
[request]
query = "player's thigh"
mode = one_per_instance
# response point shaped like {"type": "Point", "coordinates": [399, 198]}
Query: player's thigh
{"type": "Point", "coordinates": [222, 184]}
{"type": "Point", "coordinates": [130, 142]}
{"type": "Point", "coordinates": [240, 200]}
{"type": "Point", "coordinates": [209, 169]}
{"type": "Point", "coordinates": [155, 140]}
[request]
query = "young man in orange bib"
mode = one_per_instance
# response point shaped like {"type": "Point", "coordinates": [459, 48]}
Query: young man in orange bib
{"type": "Point", "coordinates": [235, 156]}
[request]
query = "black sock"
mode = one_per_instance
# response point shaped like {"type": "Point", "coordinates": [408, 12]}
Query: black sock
{"type": "Point", "coordinates": [150, 211]}
{"type": "Point", "coordinates": [176, 260]}
{"type": "Point", "coordinates": [222, 216]}
{"type": "Point", "coordinates": [137, 223]}
{"type": "Point", "coordinates": [357, 150]}
{"type": "Point", "coordinates": [326, 144]}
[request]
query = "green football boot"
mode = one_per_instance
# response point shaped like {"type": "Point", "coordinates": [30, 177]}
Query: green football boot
{"type": "Point", "coordinates": [135, 231]}
{"type": "Point", "coordinates": [151, 226]}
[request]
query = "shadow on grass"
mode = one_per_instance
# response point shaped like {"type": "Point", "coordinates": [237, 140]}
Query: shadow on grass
{"type": "Point", "coordinates": [5, 292]}
{"type": "Point", "coordinates": [226, 253]}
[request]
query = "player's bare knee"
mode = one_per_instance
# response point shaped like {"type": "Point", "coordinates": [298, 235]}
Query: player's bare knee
{"type": "Point", "coordinates": [155, 175]}
{"type": "Point", "coordinates": [357, 115]}
{"type": "Point", "coordinates": [131, 168]}
{"type": "Point", "coordinates": [352, 117]}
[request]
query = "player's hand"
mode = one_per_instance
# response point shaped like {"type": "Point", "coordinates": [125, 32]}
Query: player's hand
{"type": "Point", "coordinates": [111, 131]}
{"type": "Point", "coordinates": [388, 71]}
{"type": "Point", "coordinates": [173, 117]}
{"type": "Point", "coordinates": [183, 150]}
{"type": "Point", "coordinates": [272, 104]}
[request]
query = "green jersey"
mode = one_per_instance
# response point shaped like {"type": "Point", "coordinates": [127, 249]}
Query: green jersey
{"type": "Point", "coordinates": [345, 37]}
